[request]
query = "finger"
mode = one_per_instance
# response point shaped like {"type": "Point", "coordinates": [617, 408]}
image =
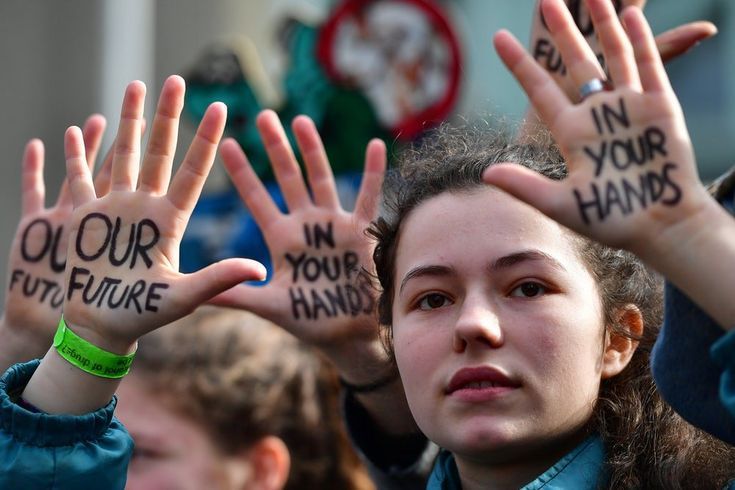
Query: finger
{"type": "Point", "coordinates": [92, 131]}
{"type": "Point", "coordinates": [201, 286]}
{"type": "Point", "coordinates": [528, 186]}
{"type": "Point", "coordinates": [126, 155]}
{"type": "Point", "coordinates": [104, 174]}
{"type": "Point", "coordinates": [638, 3]}
{"type": "Point", "coordinates": [155, 173]}
{"type": "Point", "coordinates": [547, 98]}
{"type": "Point", "coordinates": [618, 52]}
{"type": "Point", "coordinates": [189, 180]}
{"type": "Point", "coordinates": [579, 59]}
{"type": "Point", "coordinates": [651, 68]}
{"type": "Point", "coordinates": [675, 42]}
{"type": "Point", "coordinates": [366, 205]}
{"type": "Point", "coordinates": [318, 170]}
{"type": "Point", "coordinates": [77, 170]}
{"type": "Point", "coordinates": [283, 161]}
{"type": "Point", "coordinates": [248, 185]}
{"type": "Point", "coordinates": [33, 187]}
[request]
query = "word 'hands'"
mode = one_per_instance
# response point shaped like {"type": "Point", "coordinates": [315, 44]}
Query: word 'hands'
{"type": "Point", "coordinates": [122, 277]}
{"type": "Point", "coordinates": [318, 290]}
{"type": "Point", "coordinates": [670, 44]}
{"type": "Point", "coordinates": [35, 287]}
{"type": "Point", "coordinates": [631, 166]}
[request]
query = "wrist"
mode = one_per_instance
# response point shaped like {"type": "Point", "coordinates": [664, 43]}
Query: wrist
{"type": "Point", "coordinates": [19, 345]}
{"type": "Point", "coordinates": [109, 343]}
{"type": "Point", "coordinates": [360, 362]}
{"type": "Point", "coordinates": [88, 357]}
{"type": "Point", "coordinates": [665, 245]}
{"type": "Point", "coordinates": [57, 387]}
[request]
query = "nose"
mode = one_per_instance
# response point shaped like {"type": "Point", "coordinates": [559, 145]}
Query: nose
{"type": "Point", "coordinates": [478, 325]}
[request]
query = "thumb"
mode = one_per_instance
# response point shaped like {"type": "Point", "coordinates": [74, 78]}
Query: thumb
{"type": "Point", "coordinates": [679, 40]}
{"type": "Point", "coordinates": [200, 286]}
{"type": "Point", "coordinates": [524, 184]}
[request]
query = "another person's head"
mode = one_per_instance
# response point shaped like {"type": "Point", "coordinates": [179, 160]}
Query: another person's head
{"type": "Point", "coordinates": [226, 400]}
{"type": "Point", "coordinates": [516, 338]}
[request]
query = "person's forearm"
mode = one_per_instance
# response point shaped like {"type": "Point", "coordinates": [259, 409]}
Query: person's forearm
{"type": "Point", "coordinates": [698, 256]}
{"type": "Point", "coordinates": [389, 409]}
{"type": "Point", "coordinates": [363, 363]}
{"type": "Point", "coordinates": [17, 345]}
{"type": "Point", "coordinates": [58, 387]}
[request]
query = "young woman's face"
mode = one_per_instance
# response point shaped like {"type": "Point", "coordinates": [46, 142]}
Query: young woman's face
{"type": "Point", "coordinates": [497, 327]}
{"type": "Point", "coordinates": [171, 452]}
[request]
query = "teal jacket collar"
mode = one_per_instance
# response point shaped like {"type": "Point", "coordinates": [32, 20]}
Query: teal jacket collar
{"type": "Point", "coordinates": [580, 469]}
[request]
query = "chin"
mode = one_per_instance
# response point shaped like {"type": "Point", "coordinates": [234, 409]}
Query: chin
{"type": "Point", "coordinates": [488, 440]}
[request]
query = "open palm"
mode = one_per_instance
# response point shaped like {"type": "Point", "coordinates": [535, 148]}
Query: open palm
{"type": "Point", "coordinates": [318, 290]}
{"type": "Point", "coordinates": [122, 277]}
{"type": "Point", "coordinates": [628, 151]}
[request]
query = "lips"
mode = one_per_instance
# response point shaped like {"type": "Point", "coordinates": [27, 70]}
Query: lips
{"type": "Point", "coordinates": [480, 379]}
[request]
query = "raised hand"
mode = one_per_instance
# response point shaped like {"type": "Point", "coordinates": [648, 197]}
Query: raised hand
{"type": "Point", "coordinates": [317, 291]}
{"type": "Point", "coordinates": [670, 44]}
{"type": "Point", "coordinates": [35, 291]}
{"type": "Point", "coordinates": [122, 277]}
{"type": "Point", "coordinates": [632, 173]}
{"type": "Point", "coordinates": [318, 249]}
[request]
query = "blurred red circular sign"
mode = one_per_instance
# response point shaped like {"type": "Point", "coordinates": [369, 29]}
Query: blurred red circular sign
{"type": "Point", "coordinates": [402, 54]}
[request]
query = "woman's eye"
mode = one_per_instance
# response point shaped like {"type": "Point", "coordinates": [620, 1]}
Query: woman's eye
{"type": "Point", "coordinates": [433, 301]}
{"type": "Point", "coordinates": [528, 290]}
{"type": "Point", "coordinates": [144, 453]}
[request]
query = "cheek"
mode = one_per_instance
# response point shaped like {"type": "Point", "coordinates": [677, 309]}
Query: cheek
{"type": "Point", "coordinates": [418, 353]}
{"type": "Point", "coordinates": [566, 349]}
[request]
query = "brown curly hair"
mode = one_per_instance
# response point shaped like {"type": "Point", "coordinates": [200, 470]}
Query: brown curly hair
{"type": "Point", "coordinates": [242, 378]}
{"type": "Point", "coordinates": [648, 445]}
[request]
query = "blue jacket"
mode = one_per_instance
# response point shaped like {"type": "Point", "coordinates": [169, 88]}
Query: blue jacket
{"type": "Point", "coordinates": [723, 352]}
{"type": "Point", "coordinates": [581, 469]}
{"type": "Point", "coordinates": [693, 375]}
{"type": "Point", "coordinates": [58, 452]}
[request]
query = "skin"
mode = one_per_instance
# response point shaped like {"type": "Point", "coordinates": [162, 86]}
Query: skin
{"type": "Point", "coordinates": [171, 451]}
{"type": "Point", "coordinates": [701, 230]}
{"type": "Point", "coordinates": [537, 319]}
{"type": "Point", "coordinates": [670, 45]}
{"type": "Point", "coordinates": [351, 342]}
{"type": "Point", "coordinates": [27, 324]}
{"type": "Point", "coordinates": [141, 187]}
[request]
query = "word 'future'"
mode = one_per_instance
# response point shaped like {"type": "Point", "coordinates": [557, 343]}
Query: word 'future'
{"type": "Point", "coordinates": [544, 50]}
{"type": "Point", "coordinates": [347, 292]}
{"type": "Point", "coordinates": [622, 153]}
{"type": "Point", "coordinates": [97, 239]}
{"type": "Point", "coordinates": [40, 242]}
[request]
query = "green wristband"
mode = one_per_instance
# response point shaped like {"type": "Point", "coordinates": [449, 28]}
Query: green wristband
{"type": "Point", "coordinates": [88, 357]}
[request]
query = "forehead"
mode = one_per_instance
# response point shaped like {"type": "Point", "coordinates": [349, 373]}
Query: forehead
{"type": "Point", "coordinates": [148, 418]}
{"type": "Point", "coordinates": [479, 226]}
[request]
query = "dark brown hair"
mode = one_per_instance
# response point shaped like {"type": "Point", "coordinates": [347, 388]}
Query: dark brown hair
{"type": "Point", "coordinates": [242, 378]}
{"type": "Point", "coordinates": [648, 445]}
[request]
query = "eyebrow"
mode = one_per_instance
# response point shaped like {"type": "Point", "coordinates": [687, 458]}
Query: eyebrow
{"type": "Point", "coordinates": [510, 260]}
{"type": "Point", "coordinates": [505, 262]}
{"type": "Point", "coordinates": [424, 271]}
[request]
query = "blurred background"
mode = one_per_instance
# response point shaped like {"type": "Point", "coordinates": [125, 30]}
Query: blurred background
{"type": "Point", "coordinates": [61, 61]}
